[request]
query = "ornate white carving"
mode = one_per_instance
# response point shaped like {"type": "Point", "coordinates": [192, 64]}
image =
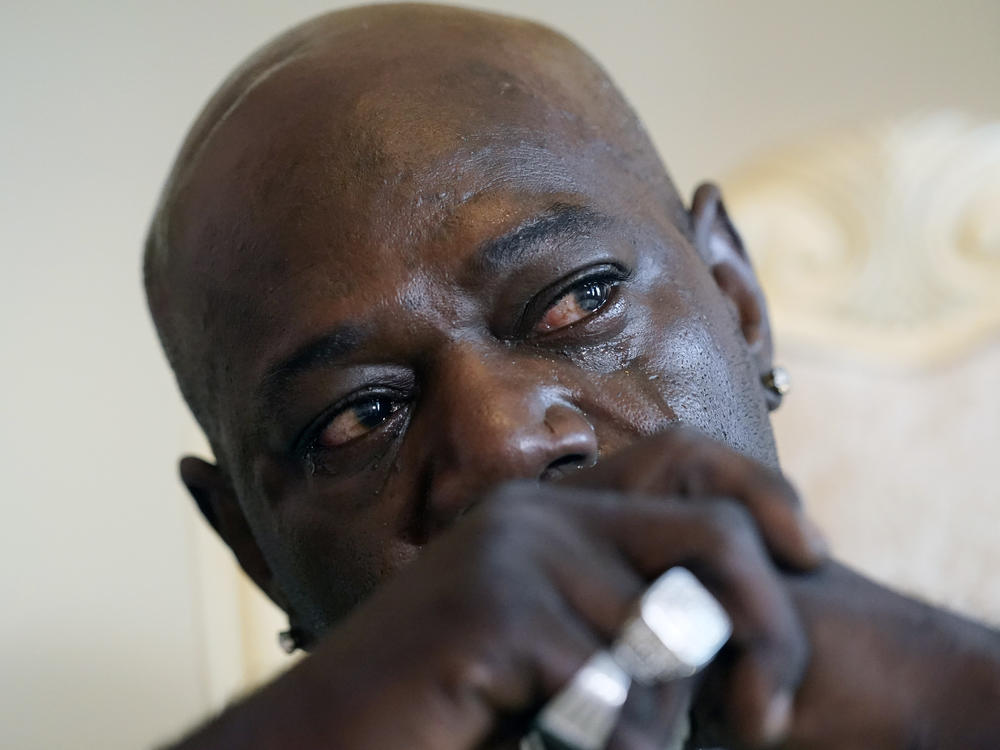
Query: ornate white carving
{"type": "Point", "coordinates": [883, 243]}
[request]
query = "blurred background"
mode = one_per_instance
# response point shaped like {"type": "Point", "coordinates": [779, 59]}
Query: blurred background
{"type": "Point", "coordinates": [859, 145]}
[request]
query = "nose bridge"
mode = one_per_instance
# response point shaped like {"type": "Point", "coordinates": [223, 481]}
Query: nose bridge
{"type": "Point", "coordinates": [492, 400]}
{"type": "Point", "coordinates": [498, 414]}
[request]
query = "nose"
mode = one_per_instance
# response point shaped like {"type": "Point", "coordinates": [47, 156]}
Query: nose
{"type": "Point", "coordinates": [496, 416]}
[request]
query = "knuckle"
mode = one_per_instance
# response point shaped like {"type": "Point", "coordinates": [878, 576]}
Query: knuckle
{"type": "Point", "coordinates": [507, 496]}
{"type": "Point", "coordinates": [682, 434]}
{"type": "Point", "coordinates": [729, 520]}
{"type": "Point", "coordinates": [475, 664]}
{"type": "Point", "coordinates": [730, 537]}
{"type": "Point", "coordinates": [770, 480]}
{"type": "Point", "coordinates": [780, 642]}
{"type": "Point", "coordinates": [469, 671]}
{"type": "Point", "coordinates": [787, 653]}
{"type": "Point", "coordinates": [698, 464]}
{"type": "Point", "coordinates": [786, 639]}
{"type": "Point", "coordinates": [511, 504]}
{"type": "Point", "coordinates": [685, 446]}
{"type": "Point", "coordinates": [496, 589]}
{"type": "Point", "coordinates": [700, 472]}
{"type": "Point", "coordinates": [518, 524]}
{"type": "Point", "coordinates": [781, 486]}
{"type": "Point", "coordinates": [798, 650]}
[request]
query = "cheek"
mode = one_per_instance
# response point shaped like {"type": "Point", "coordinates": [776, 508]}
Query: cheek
{"type": "Point", "coordinates": [695, 377]}
{"type": "Point", "coordinates": [684, 361]}
{"type": "Point", "coordinates": [336, 564]}
{"type": "Point", "coordinates": [327, 549]}
{"type": "Point", "coordinates": [710, 382]}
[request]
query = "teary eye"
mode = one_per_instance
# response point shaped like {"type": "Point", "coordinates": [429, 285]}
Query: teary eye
{"type": "Point", "coordinates": [579, 302]}
{"type": "Point", "coordinates": [356, 420]}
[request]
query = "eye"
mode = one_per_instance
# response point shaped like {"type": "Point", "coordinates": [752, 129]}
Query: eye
{"type": "Point", "coordinates": [356, 420]}
{"type": "Point", "coordinates": [579, 302]}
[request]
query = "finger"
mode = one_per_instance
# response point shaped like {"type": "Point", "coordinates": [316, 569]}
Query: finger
{"type": "Point", "coordinates": [600, 588]}
{"type": "Point", "coordinates": [600, 585]}
{"type": "Point", "coordinates": [531, 649]}
{"type": "Point", "coordinates": [718, 542]}
{"type": "Point", "coordinates": [759, 714]}
{"type": "Point", "coordinates": [580, 535]}
{"type": "Point", "coordinates": [655, 717]}
{"type": "Point", "coordinates": [736, 700]}
{"type": "Point", "coordinates": [684, 462]}
{"type": "Point", "coordinates": [588, 571]}
{"type": "Point", "coordinates": [701, 467]}
{"type": "Point", "coordinates": [559, 645]}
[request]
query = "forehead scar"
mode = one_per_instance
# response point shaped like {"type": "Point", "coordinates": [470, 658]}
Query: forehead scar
{"type": "Point", "coordinates": [204, 139]}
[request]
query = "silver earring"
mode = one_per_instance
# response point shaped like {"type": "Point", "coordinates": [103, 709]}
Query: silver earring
{"type": "Point", "coordinates": [290, 640]}
{"type": "Point", "coordinates": [777, 381]}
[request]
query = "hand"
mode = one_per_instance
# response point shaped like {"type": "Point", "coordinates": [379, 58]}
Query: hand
{"type": "Point", "coordinates": [890, 672]}
{"type": "Point", "coordinates": [684, 463]}
{"type": "Point", "coordinates": [463, 646]}
{"type": "Point", "coordinates": [507, 607]}
{"type": "Point", "coordinates": [885, 672]}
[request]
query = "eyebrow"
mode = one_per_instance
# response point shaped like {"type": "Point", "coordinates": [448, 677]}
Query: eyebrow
{"type": "Point", "coordinates": [558, 221]}
{"type": "Point", "coordinates": [324, 350]}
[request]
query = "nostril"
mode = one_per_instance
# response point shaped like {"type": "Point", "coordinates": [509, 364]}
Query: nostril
{"type": "Point", "coordinates": [563, 465]}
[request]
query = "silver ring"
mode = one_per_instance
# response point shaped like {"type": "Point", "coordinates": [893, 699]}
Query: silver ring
{"type": "Point", "coordinates": [583, 714]}
{"type": "Point", "coordinates": [676, 630]}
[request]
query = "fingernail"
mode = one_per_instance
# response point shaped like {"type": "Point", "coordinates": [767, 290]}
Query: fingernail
{"type": "Point", "coordinates": [777, 719]}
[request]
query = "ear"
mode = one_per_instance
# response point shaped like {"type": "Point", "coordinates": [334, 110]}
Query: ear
{"type": "Point", "coordinates": [719, 244]}
{"type": "Point", "coordinates": [218, 503]}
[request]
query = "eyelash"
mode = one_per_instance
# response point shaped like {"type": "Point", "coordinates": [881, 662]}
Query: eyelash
{"type": "Point", "coordinates": [611, 274]}
{"type": "Point", "coordinates": [309, 446]}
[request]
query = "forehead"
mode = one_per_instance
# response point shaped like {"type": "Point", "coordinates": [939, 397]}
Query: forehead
{"type": "Point", "coordinates": [382, 132]}
{"type": "Point", "coordinates": [325, 184]}
{"type": "Point", "coordinates": [390, 138]}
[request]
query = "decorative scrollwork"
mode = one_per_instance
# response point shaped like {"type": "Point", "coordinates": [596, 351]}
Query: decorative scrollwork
{"type": "Point", "coordinates": [882, 243]}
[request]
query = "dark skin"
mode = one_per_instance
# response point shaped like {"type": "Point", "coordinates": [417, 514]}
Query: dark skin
{"type": "Point", "coordinates": [476, 376]}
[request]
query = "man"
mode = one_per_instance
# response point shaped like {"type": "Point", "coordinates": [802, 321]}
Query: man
{"type": "Point", "coordinates": [474, 376]}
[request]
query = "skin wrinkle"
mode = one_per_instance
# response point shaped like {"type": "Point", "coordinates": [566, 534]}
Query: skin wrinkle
{"type": "Point", "coordinates": [374, 200]}
{"type": "Point", "coordinates": [559, 221]}
{"type": "Point", "coordinates": [516, 171]}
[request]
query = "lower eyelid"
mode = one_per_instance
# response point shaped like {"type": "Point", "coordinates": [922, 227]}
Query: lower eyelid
{"type": "Point", "coordinates": [315, 448]}
{"type": "Point", "coordinates": [595, 325]}
{"type": "Point", "coordinates": [308, 439]}
{"type": "Point", "coordinates": [614, 284]}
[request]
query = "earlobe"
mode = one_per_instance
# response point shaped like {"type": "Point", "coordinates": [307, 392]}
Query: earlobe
{"type": "Point", "coordinates": [721, 247]}
{"type": "Point", "coordinates": [218, 503]}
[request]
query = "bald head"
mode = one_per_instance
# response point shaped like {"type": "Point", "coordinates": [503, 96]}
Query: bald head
{"type": "Point", "coordinates": [408, 252]}
{"type": "Point", "coordinates": [379, 122]}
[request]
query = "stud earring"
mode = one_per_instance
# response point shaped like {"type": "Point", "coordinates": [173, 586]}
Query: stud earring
{"type": "Point", "coordinates": [778, 383]}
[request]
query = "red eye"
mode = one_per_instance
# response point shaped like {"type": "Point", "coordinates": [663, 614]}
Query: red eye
{"type": "Point", "coordinates": [578, 303]}
{"type": "Point", "coordinates": [357, 420]}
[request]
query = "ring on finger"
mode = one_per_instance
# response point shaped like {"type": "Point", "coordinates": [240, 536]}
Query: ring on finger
{"type": "Point", "coordinates": [675, 630]}
{"type": "Point", "coordinates": [584, 713]}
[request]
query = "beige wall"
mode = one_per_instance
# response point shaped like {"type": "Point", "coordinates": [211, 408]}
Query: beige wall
{"type": "Point", "coordinates": [105, 629]}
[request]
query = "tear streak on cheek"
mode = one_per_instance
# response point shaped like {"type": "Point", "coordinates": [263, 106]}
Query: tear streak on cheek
{"type": "Point", "coordinates": [626, 405]}
{"type": "Point", "coordinates": [694, 381]}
